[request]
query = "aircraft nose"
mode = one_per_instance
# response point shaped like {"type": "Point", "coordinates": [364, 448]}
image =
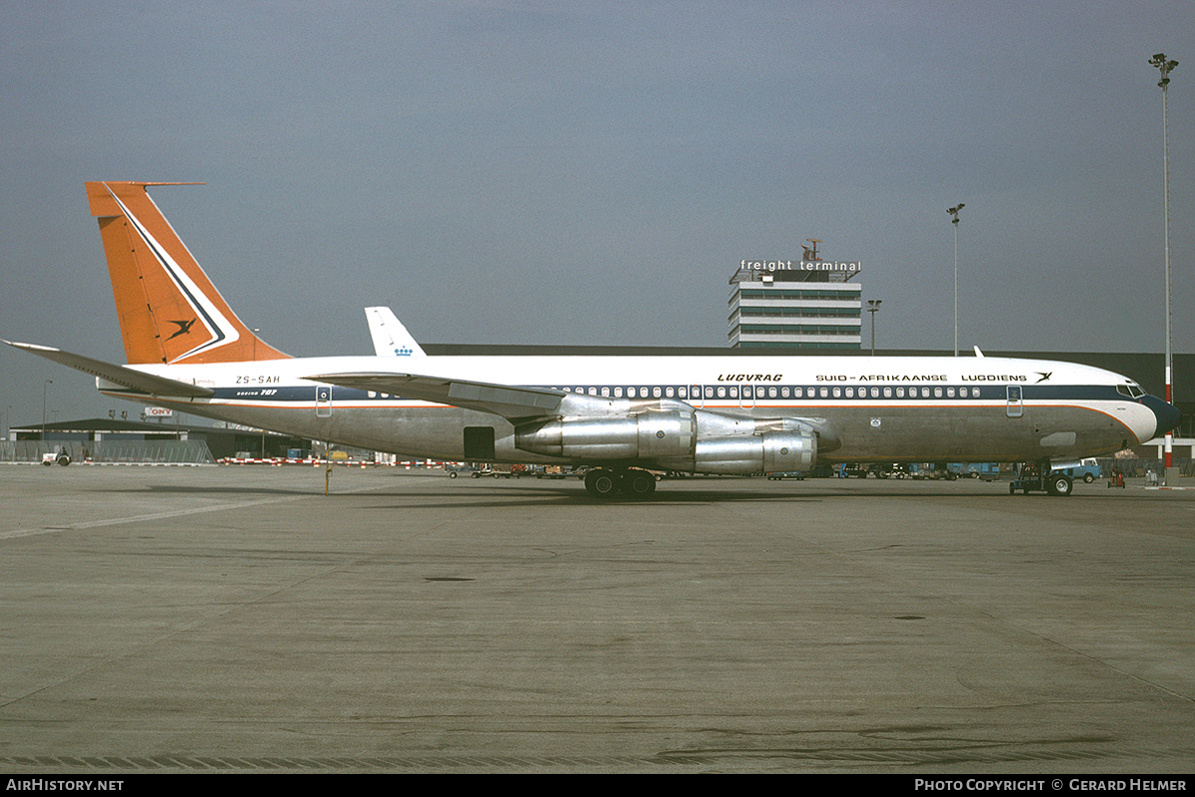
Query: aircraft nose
{"type": "Point", "coordinates": [1167, 415]}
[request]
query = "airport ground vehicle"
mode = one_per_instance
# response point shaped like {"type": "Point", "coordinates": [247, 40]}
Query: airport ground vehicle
{"type": "Point", "coordinates": [1088, 470]}
{"type": "Point", "coordinates": [1033, 478]}
{"type": "Point", "coordinates": [988, 471]}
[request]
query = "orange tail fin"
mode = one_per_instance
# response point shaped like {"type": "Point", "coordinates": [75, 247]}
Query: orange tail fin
{"type": "Point", "coordinates": [169, 310]}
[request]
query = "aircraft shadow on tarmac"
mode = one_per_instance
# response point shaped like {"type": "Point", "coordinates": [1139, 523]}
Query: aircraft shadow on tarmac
{"type": "Point", "coordinates": [437, 494]}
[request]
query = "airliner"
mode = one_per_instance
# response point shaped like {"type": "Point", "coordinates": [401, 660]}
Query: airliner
{"type": "Point", "coordinates": [620, 417]}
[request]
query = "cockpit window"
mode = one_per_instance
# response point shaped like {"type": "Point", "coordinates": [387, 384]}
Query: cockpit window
{"type": "Point", "coordinates": [1130, 390]}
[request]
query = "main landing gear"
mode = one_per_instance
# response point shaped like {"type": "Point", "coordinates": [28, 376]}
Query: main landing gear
{"type": "Point", "coordinates": [630, 482]}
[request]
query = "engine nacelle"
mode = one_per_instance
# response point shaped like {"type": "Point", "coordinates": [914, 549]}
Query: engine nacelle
{"type": "Point", "coordinates": [645, 436]}
{"type": "Point", "coordinates": [780, 450]}
{"type": "Point", "coordinates": [668, 439]}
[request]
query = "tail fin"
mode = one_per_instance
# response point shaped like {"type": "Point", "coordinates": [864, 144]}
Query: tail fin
{"type": "Point", "coordinates": [169, 310]}
{"type": "Point", "coordinates": [390, 337]}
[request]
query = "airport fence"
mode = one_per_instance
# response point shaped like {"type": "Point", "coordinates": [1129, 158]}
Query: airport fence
{"type": "Point", "coordinates": [1140, 467]}
{"type": "Point", "coordinates": [128, 452]}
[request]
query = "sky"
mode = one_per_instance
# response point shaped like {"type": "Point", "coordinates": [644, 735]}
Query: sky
{"type": "Point", "coordinates": [594, 172]}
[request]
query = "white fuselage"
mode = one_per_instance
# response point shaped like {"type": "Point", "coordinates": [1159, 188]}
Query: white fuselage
{"type": "Point", "coordinates": [881, 408]}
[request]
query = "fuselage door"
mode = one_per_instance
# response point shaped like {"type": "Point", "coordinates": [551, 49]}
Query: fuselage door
{"type": "Point", "coordinates": [1014, 408]}
{"type": "Point", "coordinates": [323, 401]}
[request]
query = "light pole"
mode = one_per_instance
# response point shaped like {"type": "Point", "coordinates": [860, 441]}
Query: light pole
{"type": "Point", "coordinates": [872, 306]}
{"type": "Point", "coordinates": [44, 388]}
{"type": "Point", "coordinates": [954, 220]}
{"type": "Point", "coordinates": [1164, 66]}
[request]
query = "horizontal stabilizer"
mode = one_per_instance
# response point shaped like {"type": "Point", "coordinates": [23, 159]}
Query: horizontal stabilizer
{"type": "Point", "coordinates": [118, 374]}
{"type": "Point", "coordinates": [509, 402]}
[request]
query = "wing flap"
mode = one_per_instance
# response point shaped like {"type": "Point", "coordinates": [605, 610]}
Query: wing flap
{"type": "Point", "coordinates": [514, 403]}
{"type": "Point", "coordinates": [117, 374]}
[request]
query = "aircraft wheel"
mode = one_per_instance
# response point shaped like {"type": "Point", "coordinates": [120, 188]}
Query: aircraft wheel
{"type": "Point", "coordinates": [600, 483]}
{"type": "Point", "coordinates": [638, 483]}
{"type": "Point", "coordinates": [1060, 484]}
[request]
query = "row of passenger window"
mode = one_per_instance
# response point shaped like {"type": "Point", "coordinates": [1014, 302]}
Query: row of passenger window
{"type": "Point", "coordinates": [685, 392]}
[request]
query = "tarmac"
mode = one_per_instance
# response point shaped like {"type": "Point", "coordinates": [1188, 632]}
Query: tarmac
{"type": "Point", "coordinates": [237, 619]}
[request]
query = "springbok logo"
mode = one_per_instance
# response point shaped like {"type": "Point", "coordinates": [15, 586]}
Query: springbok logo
{"type": "Point", "coordinates": [184, 327]}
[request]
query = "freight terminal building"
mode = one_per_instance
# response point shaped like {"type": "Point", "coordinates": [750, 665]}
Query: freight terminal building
{"type": "Point", "coordinates": [795, 304]}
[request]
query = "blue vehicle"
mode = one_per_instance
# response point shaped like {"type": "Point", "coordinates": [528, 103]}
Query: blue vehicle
{"type": "Point", "coordinates": [988, 471]}
{"type": "Point", "coordinates": [1088, 470]}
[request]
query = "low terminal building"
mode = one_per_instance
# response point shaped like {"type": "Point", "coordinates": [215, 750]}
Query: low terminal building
{"type": "Point", "coordinates": [86, 438]}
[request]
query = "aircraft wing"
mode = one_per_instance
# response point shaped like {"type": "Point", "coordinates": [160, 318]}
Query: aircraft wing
{"type": "Point", "coordinates": [513, 403]}
{"type": "Point", "coordinates": [118, 374]}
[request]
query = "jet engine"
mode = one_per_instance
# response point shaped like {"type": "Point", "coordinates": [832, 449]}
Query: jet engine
{"type": "Point", "coordinates": [779, 450]}
{"type": "Point", "coordinates": [647, 435]}
{"type": "Point", "coordinates": [675, 440]}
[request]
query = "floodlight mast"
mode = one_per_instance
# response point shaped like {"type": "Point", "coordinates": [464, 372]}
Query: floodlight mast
{"type": "Point", "coordinates": [1164, 66]}
{"type": "Point", "coordinates": [954, 220]}
{"type": "Point", "coordinates": [872, 306]}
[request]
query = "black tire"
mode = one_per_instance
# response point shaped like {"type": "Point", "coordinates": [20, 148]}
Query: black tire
{"type": "Point", "coordinates": [452, 474]}
{"type": "Point", "coordinates": [638, 483]}
{"type": "Point", "coordinates": [1088, 478]}
{"type": "Point", "coordinates": [1059, 484]}
{"type": "Point", "coordinates": [601, 483]}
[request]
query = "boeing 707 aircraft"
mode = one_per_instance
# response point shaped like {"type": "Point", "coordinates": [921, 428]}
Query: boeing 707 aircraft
{"type": "Point", "coordinates": [620, 416]}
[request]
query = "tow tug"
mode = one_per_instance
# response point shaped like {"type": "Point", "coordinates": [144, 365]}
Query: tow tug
{"type": "Point", "coordinates": [1042, 478]}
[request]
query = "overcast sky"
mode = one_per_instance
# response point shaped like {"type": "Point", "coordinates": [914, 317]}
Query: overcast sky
{"type": "Point", "coordinates": [593, 172]}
